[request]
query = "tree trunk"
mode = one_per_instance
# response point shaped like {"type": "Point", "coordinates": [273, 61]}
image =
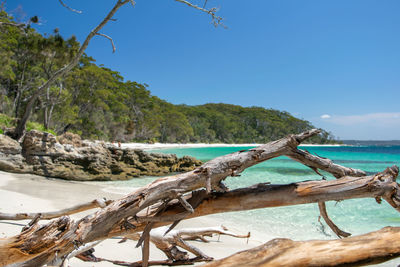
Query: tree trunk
{"type": "Point", "coordinates": [19, 131]}
{"type": "Point", "coordinates": [21, 126]}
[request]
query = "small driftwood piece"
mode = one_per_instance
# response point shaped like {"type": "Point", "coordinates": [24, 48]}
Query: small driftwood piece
{"type": "Point", "coordinates": [167, 200]}
{"type": "Point", "coordinates": [171, 242]}
{"type": "Point", "coordinates": [372, 248]}
{"type": "Point", "coordinates": [92, 258]}
{"type": "Point", "coordinates": [97, 203]}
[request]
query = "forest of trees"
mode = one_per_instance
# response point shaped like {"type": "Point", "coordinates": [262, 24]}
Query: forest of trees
{"type": "Point", "coordinates": [97, 103]}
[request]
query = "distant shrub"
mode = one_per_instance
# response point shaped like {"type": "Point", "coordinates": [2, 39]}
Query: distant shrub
{"type": "Point", "coordinates": [37, 126]}
{"type": "Point", "coordinates": [6, 121]}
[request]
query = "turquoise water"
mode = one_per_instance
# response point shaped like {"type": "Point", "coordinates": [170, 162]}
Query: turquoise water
{"type": "Point", "coordinates": [300, 222]}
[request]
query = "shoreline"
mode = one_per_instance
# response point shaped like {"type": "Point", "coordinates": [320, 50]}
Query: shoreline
{"type": "Point", "coordinates": [156, 146]}
{"type": "Point", "coordinates": [32, 193]}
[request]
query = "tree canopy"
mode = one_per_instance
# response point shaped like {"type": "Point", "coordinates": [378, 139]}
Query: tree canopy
{"type": "Point", "coordinates": [99, 103]}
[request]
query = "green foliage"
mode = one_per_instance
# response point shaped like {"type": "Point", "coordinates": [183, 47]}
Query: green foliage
{"type": "Point", "coordinates": [37, 126]}
{"type": "Point", "coordinates": [97, 103]}
{"type": "Point", "coordinates": [6, 121]}
{"type": "Point", "coordinates": [9, 38]}
{"type": "Point", "coordinates": [235, 124]}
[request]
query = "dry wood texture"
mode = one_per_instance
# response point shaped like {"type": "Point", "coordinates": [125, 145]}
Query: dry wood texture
{"type": "Point", "coordinates": [371, 248]}
{"type": "Point", "coordinates": [196, 193]}
{"type": "Point", "coordinates": [171, 242]}
{"type": "Point", "coordinates": [97, 203]}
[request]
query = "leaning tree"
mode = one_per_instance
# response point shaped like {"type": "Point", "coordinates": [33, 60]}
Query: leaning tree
{"type": "Point", "coordinates": [56, 74]}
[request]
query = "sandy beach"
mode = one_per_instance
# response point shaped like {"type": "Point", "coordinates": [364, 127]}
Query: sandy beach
{"type": "Point", "coordinates": [30, 193]}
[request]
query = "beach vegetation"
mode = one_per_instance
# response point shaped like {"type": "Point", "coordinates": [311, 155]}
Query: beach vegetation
{"type": "Point", "coordinates": [10, 122]}
{"type": "Point", "coordinates": [6, 121]}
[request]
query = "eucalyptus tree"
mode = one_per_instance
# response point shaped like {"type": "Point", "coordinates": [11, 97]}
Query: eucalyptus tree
{"type": "Point", "coordinates": [55, 74]}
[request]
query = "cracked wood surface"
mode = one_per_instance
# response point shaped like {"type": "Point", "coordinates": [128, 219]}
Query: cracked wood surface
{"type": "Point", "coordinates": [371, 248]}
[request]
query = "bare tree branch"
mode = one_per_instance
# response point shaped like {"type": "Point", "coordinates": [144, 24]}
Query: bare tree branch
{"type": "Point", "coordinates": [329, 222]}
{"type": "Point", "coordinates": [315, 163]}
{"type": "Point", "coordinates": [324, 164]}
{"type": "Point", "coordinates": [212, 12]}
{"type": "Point", "coordinates": [69, 8]}
{"type": "Point", "coordinates": [171, 242]}
{"type": "Point", "coordinates": [109, 38]}
{"type": "Point", "coordinates": [83, 249]}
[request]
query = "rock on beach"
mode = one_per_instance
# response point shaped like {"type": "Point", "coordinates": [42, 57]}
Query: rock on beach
{"type": "Point", "coordinates": [68, 157]}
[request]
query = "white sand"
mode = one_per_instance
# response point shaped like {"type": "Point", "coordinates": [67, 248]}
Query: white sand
{"type": "Point", "coordinates": [30, 193]}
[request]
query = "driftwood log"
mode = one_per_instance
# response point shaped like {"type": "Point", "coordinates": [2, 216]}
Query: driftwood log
{"type": "Point", "coordinates": [198, 193]}
{"type": "Point", "coordinates": [372, 248]}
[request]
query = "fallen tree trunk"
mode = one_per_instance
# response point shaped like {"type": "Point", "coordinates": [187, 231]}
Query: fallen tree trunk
{"type": "Point", "coordinates": [372, 248]}
{"type": "Point", "coordinates": [163, 202]}
{"type": "Point", "coordinates": [381, 185]}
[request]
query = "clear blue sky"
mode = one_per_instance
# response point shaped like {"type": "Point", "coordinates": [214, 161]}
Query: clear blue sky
{"type": "Point", "coordinates": [335, 63]}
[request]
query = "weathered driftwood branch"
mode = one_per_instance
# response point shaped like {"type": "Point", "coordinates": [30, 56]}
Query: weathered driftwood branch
{"type": "Point", "coordinates": [268, 195]}
{"type": "Point", "coordinates": [171, 242]}
{"type": "Point", "coordinates": [97, 203]}
{"type": "Point", "coordinates": [140, 263]}
{"type": "Point", "coordinates": [332, 225]}
{"type": "Point", "coordinates": [158, 203]}
{"type": "Point", "coordinates": [371, 248]}
{"type": "Point", "coordinates": [316, 162]}
{"type": "Point", "coordinates": [78, 251]}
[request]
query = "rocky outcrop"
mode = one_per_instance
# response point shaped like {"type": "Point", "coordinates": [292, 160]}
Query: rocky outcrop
{"type": "Point", "coordinates": [73, 159]}
{"type": "Point", "coordinates": [10, 155]}
{"type": "Point", "coordinates": [70, 139]}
